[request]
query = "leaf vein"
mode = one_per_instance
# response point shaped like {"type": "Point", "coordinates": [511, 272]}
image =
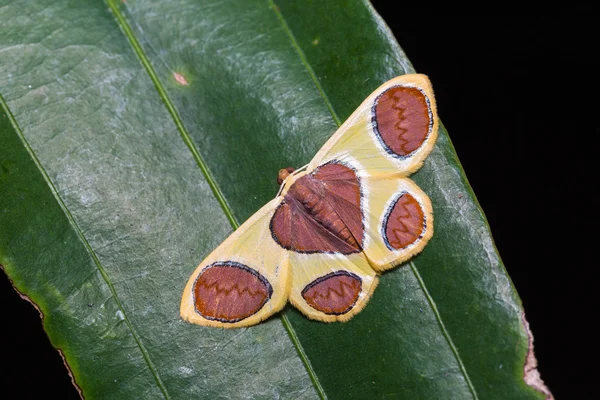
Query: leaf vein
{"type": "Point", "coordinates": [87, 246]}
{"type": "Point", "coordinates": [336, 118]}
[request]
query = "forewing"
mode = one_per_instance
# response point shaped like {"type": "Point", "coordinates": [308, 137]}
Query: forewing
{"type": "Point", "coordinates": [242, 282]}
{"type": "Point", "coordinates": [386, 139]}
{"type": "Point", "coordinates": [392, 131]}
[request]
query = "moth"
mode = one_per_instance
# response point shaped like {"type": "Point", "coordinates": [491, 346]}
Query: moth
{"type": "Point", "coordinates": [334, 226]}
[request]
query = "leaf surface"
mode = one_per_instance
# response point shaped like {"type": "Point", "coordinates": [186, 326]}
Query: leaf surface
{"type": "Point", "coordinates": [136, 135]}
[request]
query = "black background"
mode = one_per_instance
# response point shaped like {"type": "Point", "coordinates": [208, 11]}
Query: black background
{"type": "Point", "coordinates": [518, 97]}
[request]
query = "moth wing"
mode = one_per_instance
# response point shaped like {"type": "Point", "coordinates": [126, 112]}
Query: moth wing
{"type": "Point", "coordinates": [392, 131]}
{"type": "Point", "coordinates": [386, 139]}
{"type": "Point", "coordinates": [243, 281]}
{"type": "Point", "coordinates": [389, 216]}
{"type": "Point", "coordinates": [398, 220]}
{"type": "Point", "coordinates": [331, 287]}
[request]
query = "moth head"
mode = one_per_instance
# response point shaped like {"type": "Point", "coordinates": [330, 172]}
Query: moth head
{"type": "Point", "coordinates": [284, 173]}
{"type": "Point", "coordinates": [287, 176]}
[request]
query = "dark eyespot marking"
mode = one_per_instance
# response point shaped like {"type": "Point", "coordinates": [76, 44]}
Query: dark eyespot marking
{"type": "Point", "coordinates": [402, 119]}
{"type": "Point", "coordinates": [404, 223]}
{"type": "Point", "coordinates": [230, 292]}
{"type": "Point", "coordinates": [333, 294]}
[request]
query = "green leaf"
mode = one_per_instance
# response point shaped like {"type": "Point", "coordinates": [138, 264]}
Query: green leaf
{"type": "Point", "coordinates": [135, 135]}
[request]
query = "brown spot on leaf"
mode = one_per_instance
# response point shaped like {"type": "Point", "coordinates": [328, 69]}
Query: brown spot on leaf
{"type": "Point", "coordinates": [405, 222]}
{"type": "Point", "coordinates": [333, 294]}
{"type": "Point", "coordinates": [402, 119]}
{"type": "Point", "coordinates": [180, 79]}
{"type": "Point", "coordinates": [230, 292]}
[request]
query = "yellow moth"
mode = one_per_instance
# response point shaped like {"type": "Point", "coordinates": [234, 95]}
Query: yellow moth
{"type": "Point", "coordinates": [335, 224]}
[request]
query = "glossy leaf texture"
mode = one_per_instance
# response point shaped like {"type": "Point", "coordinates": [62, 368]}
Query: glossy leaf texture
{"type": "Point", "coordinates": [136, 135]}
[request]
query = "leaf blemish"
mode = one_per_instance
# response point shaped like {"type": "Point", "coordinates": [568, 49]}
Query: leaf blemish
{"type": "Point", "coordinates": [531, 375]}
{"type": "Point", "coordinates": [180, 79]}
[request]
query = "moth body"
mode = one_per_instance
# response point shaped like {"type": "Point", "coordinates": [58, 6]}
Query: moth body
{"type": "Point", "coordinates": [308, 195]}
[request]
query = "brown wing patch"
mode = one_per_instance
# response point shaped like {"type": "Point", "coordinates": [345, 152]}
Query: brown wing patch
{"type": "Point", "coordinates": [321, 213]}
{"type": "Point", "coordinates": [281, 225]}
{"type": "Point", "coordinates": [402, 119]}
{"type": "Point", "coordinates": [348, 210]}
{"type": "Point", "coordinates": [335, 172]}
{"type": "Point", "coordinates": [405, 222]}
{"type": "Point", "coordinates": [305, 235]}
{"type": "Point", "coordinates": [309, 235]}
{"type": "Point", "coordinates": [333, 294]}
{"type": "Point", "coordinates": [230, 292]}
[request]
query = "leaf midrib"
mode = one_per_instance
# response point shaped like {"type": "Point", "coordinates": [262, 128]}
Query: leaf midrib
{"type": "Point", "coordinates": [208, 175]}
{"type": "Point", "coordinates": [229, 212]}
